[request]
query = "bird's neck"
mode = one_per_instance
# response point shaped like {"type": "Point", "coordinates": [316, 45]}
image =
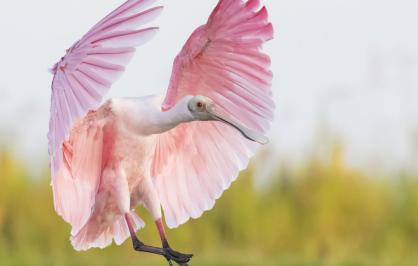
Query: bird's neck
{"type": "Point", "coordinates": [163, 121]}
{"type": "Point", "coordinates": [143, 116]}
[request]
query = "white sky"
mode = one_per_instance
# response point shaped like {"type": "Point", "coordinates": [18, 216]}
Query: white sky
{"type": "Point", "coordinates": [350, 67]}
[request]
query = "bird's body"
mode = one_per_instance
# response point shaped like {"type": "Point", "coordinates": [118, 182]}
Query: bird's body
{"type": "Point", "coordinates": [128, 147]}
{"type": "Point", "coordinates": [175, 154]}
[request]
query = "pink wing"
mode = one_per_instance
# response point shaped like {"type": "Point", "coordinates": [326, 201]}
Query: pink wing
{"type": "Point", "coordinates": [76, 183]}
{"type": "Point", "coordinates": [91, 65]}
{"type": "Point", "coordinates": [195, 162]}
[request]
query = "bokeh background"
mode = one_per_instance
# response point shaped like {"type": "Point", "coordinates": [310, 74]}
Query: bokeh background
{"type": "Point", "coordinates": [337, 185]}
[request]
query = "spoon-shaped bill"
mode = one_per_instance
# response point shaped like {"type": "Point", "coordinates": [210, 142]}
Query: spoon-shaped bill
{"type": "Point", "coordinates": [218, 115]}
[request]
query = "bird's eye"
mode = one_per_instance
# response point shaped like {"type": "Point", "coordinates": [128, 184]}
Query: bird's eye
{"type": "Point", "coordinates": [199, 105]}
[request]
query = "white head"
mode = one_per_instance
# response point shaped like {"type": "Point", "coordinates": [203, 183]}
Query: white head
{"type": "Point", "coordinates": [203, 108]}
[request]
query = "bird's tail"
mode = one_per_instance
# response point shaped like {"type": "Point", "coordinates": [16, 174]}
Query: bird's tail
{"type": "Point", "coordinates": [97, 233]}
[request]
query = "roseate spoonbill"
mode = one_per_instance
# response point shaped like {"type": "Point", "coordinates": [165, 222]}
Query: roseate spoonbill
{"type": "Point", "coordinates": [177, 153]}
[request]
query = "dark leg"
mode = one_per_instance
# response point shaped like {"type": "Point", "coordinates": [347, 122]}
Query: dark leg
{"type": "Point", "coordinates": [173, 254]}
{"type": "Point", "coordinates": [169, 254]}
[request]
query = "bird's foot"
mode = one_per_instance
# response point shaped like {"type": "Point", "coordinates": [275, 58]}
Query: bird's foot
{"type": "Point", "coordinates": [171, 255]}
{"type": "Point", "coordinates": [180, 258]}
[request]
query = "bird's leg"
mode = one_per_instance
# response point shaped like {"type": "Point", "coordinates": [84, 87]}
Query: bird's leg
{"type": "Point", "coordinates": [169, 254]}
{"type": "Point", "coordinates": [137, 244]}
{"type": "Point", "coordinates": [161, 231]}
{"type": "Point", "coordinates": [178, 257]}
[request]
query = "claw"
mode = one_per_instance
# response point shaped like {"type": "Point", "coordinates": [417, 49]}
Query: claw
{"type": "Point", "coordinates": [178, 257]}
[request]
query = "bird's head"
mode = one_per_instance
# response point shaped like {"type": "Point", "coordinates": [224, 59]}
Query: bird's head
{"type": "Point", "coordinates": [203, 108]}
{"type": "Point", "coordinates": [199, 107]}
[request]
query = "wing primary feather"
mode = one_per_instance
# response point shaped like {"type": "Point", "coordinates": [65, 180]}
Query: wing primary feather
{"type": "Point", "coordinates": [88, 73]}
{"type": "Point", "coordinates": [103, 65]}
{"type": "Point", "coordinates": [123, 37]}
{"type": "Point", "coordinates": [136, 19]}
{"type": "Point", "coordinates": [85, 97]}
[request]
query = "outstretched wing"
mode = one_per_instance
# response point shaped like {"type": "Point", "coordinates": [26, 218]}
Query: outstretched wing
{"type": "Point", "coordinates": [91, 65]}
{"type": "Point", "coordinates": [195, 162]}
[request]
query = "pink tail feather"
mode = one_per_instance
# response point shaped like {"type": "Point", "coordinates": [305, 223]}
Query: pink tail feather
{"type": "Point", "coordinates": [96, 234]}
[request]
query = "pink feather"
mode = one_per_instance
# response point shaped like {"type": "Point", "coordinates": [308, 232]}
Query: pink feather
{"type": "Point", "coordinates": [81, 79]}
{"type": "Point", "coordinates": [91, 65]}
{"type": "Point", "coordinates": [194, 163]}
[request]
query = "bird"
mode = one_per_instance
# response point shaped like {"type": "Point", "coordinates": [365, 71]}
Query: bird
{"type": "Point", "coordinates": [173, 154]}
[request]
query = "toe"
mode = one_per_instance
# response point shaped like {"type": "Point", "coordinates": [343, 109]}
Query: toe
{"type": "Point", "coordinates": [177, 256]}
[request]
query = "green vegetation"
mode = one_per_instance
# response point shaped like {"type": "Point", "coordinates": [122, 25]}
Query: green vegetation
{"type": "Point", "coordinates": [321, 214]}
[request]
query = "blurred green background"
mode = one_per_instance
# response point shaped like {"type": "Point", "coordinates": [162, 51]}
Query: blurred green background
{"type": "Point", "coordinates": [321, 212]}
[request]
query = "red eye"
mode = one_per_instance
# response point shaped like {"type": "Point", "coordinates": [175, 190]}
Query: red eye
{"type": "Point", "coordinates": [199, 104]}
